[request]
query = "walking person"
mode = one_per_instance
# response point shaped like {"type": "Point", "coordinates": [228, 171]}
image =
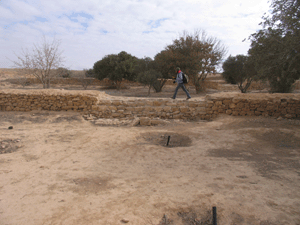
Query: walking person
{"type": "Point", "coordinates": [180, 84]}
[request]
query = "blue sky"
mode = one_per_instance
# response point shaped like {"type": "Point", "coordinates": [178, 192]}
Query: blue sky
{"type": "Point", "coordinates": [90, 29]}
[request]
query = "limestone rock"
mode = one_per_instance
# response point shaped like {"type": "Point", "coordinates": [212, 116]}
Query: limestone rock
{"type": "Point", "coordinates": [145, 121]}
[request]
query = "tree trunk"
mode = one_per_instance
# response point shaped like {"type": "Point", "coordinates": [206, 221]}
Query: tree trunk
{"type": "Point", "coordinates": [149, 90]}
{"type": "Point", "coordinates": [118, 85]}
{"type": "Point", "coordinates": [48, 83]}
{"type": "Point", "coordinates": [199, 86]}
{"type": "Point", "coordinates": [158, 88]}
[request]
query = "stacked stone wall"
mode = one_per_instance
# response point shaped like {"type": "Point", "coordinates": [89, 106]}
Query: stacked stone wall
{"type": "Point", "coordinates": [29, 101]}
{"type": "Point", "coordinates": [275, 105]}
{"type": "Point", "coordinates": [155, 108]}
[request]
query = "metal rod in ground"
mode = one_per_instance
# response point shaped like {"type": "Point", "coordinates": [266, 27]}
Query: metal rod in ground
{"type": "Point", "coordinates": [214, 209]}
{"type": "Point", "coordinates": [168, 140]}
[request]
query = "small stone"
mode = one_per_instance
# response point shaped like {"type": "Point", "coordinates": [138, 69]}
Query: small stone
{"type": "Point", "coordinates": [2, 146]}
{"type": "Point", "coordinates": [135, 121]}
{"type": "Point", "coordinates": [289, 116]}
{"type": "Point", "coordinates": [279, 118]}
{"type": "Point", "coordinates": [124, 220]}
{"type": "Point", "coordinates": [11, 127]}
{"type": "Point", "coordinates": [144, 121]}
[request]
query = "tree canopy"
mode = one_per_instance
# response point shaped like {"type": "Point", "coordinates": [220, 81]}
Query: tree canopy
{"type": "Point", "coordinates": [239, 70]}
{"type": "Point", "coordinates": [150, 78]}
{"type": "Point", "coordinates": [275, 48]}
{"type": "Point", "coordinates": [196, 54]}
{"type": "Point", "coordinates": [116, 67]}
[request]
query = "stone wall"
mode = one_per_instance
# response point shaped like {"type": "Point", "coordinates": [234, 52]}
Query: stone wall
{"type": "Point", "coordinates": [274, 105]}
{"type": "Point", "coordinates": [46, 100]}
{"type": "Point", "coordinates": [152, 108]}
{"type": "Point", "coordinates": [103, 106]}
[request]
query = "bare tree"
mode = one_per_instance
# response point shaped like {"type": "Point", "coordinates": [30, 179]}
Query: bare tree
{"type": "Point", "coordinates": [41, 61]}
{"type": "Point", "coordinates": [22, 76]}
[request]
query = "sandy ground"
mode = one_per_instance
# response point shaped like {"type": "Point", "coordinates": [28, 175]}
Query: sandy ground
{"type": "Point", "coordinates": [57, 168]}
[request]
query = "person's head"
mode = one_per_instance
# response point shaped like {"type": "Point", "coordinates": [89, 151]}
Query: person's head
{"type": "Point", "coordinates": [177, 69]}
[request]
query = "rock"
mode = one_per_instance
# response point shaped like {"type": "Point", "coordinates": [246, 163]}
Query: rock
{"type": "Point", "coordinates": [279, 118]}
{"type": "Point", "coordinates": [145, 121]}
{"type": "Point", "coordinates": [124, 220]}
{"type": "Point", "coordinates": [157, 122]}
{"type": "Point", "coordinates": [289, 116]}
{"type": "Point", "coordinates": [135, 122]}
{"type": "Point", "coordinates": [11, 127]}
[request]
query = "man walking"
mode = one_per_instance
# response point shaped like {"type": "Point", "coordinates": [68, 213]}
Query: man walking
{"type": "Point", "coordinates": [179, 80]}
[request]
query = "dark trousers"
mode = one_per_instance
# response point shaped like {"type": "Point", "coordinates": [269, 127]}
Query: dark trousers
{"type": "Point", "coordinates": [181, 85]}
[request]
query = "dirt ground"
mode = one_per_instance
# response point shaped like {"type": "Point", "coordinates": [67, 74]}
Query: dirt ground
{"type": "Point", "coordinates": [57, 168]}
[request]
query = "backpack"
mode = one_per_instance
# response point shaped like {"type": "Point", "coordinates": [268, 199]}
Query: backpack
{"type": "Point", "coordinates": [185, 78]}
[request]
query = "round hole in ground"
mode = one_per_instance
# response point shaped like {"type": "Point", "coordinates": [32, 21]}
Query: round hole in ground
{"type": "Point", "coordinates": [168, 139]}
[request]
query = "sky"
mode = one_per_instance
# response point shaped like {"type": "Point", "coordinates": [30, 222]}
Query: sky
{"type": "Point", "coordinates": [88, 30]}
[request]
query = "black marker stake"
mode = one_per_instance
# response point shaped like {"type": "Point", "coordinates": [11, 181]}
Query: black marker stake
{"type": "Point", "coordinates": [168, 140]}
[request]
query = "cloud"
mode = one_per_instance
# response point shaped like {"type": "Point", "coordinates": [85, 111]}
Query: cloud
{"type": "Point", "coordinates": [90, 29]}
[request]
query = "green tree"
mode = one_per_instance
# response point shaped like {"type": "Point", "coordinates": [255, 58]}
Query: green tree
{"type": "Point", "coordinates": [239, 70]}
{"type": "Point", "coordinates": [89, 73]}
{"type": "Point", "coordinates": [144, 64]}
{"type": "Point", "coordinates": [116, 68]}
{"type": "Point", "coordinates": [163, 64]}
{"type": "Point", "coordinates": [126, 64]}
{"type": "Point", "coordinates": [105, 68]}
{"type": "Point", "coordinates": [150, 78]}
{"type": "Point", "coordinates": [276, 47]}
{"type": "Point", "coordinates": [196, 54]}
{"type": "Point", "coordinates": [63, 72]}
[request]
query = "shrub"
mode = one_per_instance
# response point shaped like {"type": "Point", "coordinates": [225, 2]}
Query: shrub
{"type": "Point", "coordinates": [150, 78]}
{"type": "Point", "coordinates": [239, 70]}
{"type": "Point", "coordinates": [63, 72]}
{"type": "Point", "coordinates": [89, 73]}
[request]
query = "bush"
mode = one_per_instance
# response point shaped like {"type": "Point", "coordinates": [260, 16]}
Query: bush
{"type": "Point", "coordinates": [89, 73]}
{"type": "Point", "coordinates": [239, 70]}
{"type": "Point", "coordinates": [63, 72]}
{"type": "Point", "coordinates": [150, 78]}
{"type": "Point", "coordinates": [116, 68]}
